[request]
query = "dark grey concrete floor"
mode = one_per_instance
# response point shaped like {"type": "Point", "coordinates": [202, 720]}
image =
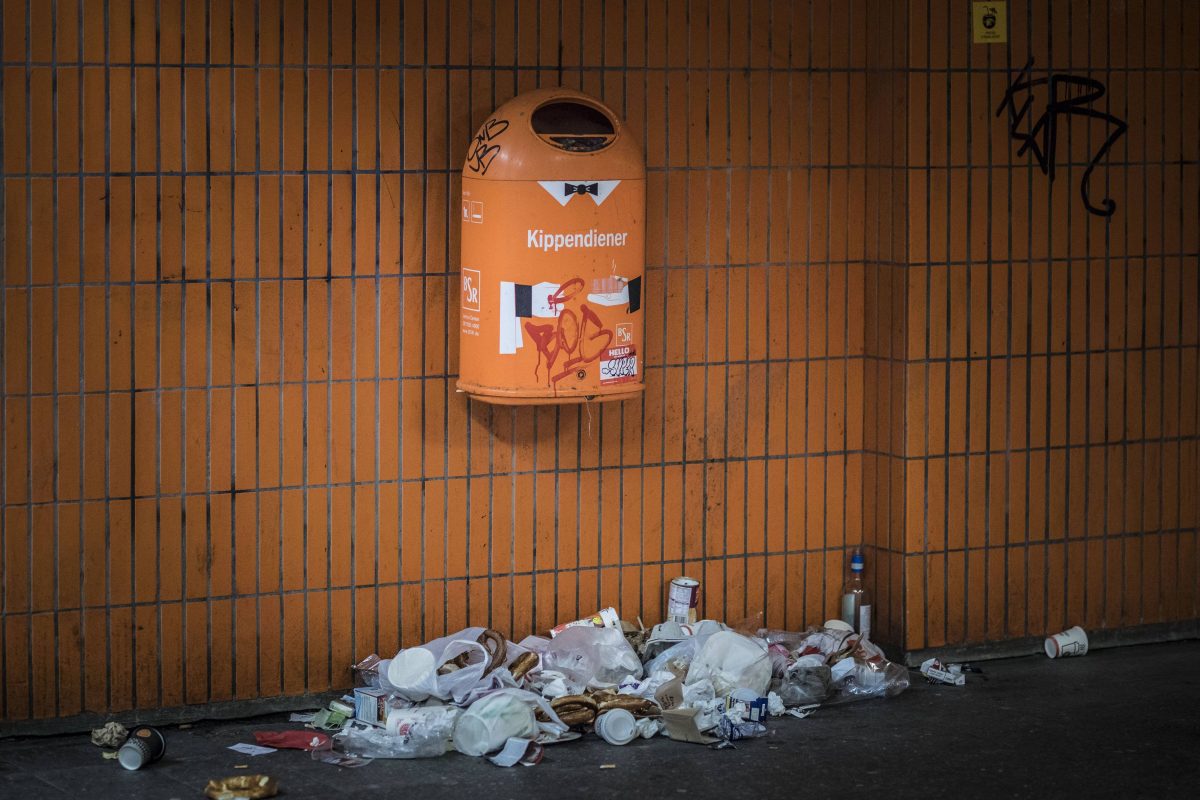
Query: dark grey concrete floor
{"type": "Point", "coordinates": [1116, 723]}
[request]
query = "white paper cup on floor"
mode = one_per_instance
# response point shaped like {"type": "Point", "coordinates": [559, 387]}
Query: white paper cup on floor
{"type": "Point", "coordinates": [617, 726]}
{"type": "Point", "coordinates": [1071, 642]}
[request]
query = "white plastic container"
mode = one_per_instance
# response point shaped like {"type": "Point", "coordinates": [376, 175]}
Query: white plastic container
{"type": "Point", "coordinates": [489, 723]}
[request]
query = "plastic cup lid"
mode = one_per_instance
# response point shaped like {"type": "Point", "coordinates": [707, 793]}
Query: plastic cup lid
{"type": "Point", "coordinates": [618, 724]}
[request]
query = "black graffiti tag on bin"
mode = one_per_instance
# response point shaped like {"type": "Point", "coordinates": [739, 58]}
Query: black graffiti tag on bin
{"type": "Point", "coordinates": [482, 149]}
{"type": "Point", "coordinates": [1070, 95]}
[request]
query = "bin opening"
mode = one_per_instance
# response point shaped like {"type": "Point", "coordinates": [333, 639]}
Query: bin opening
{"type": "Point", "coordinates": [574, 127]}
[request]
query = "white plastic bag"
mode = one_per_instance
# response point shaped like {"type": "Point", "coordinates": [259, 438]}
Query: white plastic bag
{"type": "Point", "coordinates": [591, 656]}
{"type": "Point", "coordinates": [414, 670]}
{"type": "Point", "coordinates": [731, 661]}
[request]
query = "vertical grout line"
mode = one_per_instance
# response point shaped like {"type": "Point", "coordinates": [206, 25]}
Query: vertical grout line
{"type": "Point", "coordinates": [424, 281]}
{"type": "Point", "coordinates": [1124, 258]}
{"type": "Point", "coordinates": [4, 292]}
{"type": "Point", "coordinates": [81, 367]}
{"type": "Point", "coordinates": [927, 168]}
{"type": "Point", "coordinates": [402, 284]}
{"type": "Point", "coordinates": [987, 377]}
{"type": "Point", "coordinates": [258, 332]}
{"type": "Point", "coordinates": [807, 272]}
{"type": "Point", "coordinates": [280, 363]}
{"type": "Point", "coordinates": [1028, 170]}
{"type": "Point", "coordinates": [307, 386]}
{"type": "Point", "coordinates": [377, 268]}
{"type": "Point", "coordinates": [130, 127]}
{"type": "Point", "coordinates": [328, 381]}
{"type": "Point", "coordinates": [1140, 528]}
{"type": "Point", "coordinates": [159, 322]}
{"type": "Point", "coordinates": [54, 357]}
{"type": "Point", "coordinates": [107, 360]}
{"type": "Point", "coordinates": [1087, 362]}
{"type": "Point", "coordinates": [208, 344]}
{"type": "Point", "coordinates": [28, 347]}
{"type": "Point", "coordinates": [443, 401]}
{"type": "Point", "coordinates": [789, 271]}
{"type": "Point", "coordinates": [352, 567]}
{"type": "Point", "coordinates": [183, 361]}
{"type": "Point", "coordinates": [235, 490]}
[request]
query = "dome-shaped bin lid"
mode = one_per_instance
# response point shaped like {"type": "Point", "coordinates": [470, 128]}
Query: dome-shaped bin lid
{"type": "Point", "coordinates": [554, 134]}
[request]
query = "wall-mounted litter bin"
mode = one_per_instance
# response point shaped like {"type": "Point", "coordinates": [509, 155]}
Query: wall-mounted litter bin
{"type": "Point", "coordinates": [553, 252]}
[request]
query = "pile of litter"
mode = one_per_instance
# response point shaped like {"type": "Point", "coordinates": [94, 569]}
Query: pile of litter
{"type": "Point", "coordinates": [482, 695]}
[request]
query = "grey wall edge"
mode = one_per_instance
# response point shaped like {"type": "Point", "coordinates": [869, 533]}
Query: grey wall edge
{"type": "Point", "coordinates": [1033, 645]}
{"type": "Point", "coordinates": [166, 717]}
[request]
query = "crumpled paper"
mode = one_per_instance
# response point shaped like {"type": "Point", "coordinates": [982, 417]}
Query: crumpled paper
{"type": "Point", "coordinates": [111, 735]}
{"type": "Point", "coordinates": [250, 787]}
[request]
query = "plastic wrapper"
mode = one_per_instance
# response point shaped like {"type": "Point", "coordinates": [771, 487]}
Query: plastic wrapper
{"type": "Point", "coordinates": [591, 657]}
{"type": "Point", "coordinates": [803, 685]}
{"type": "Point", "coordinates": [732, 731]}
{"type": "Point", "coordinates": [676, 659]}
{"type": "Point", "coordinates": [422, 736]}
{"type": "Point", "coordinates": [866, 673]}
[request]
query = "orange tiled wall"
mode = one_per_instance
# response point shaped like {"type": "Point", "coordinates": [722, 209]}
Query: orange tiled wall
{"type": "Point", "coordinates": [1050, 392]}
{"type": "Point", "coordinates": [233, 458]}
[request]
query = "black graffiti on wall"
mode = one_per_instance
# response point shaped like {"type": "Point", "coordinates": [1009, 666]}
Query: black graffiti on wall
{"type": "Point", "coordinates": [1067, 96]}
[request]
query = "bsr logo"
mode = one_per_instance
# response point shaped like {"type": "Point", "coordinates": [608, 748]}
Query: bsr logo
{"type": "Point", "coordinates": [470, 289]}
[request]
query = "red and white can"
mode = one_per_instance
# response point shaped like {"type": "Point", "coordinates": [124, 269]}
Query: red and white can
{"type": "Point", "coordinates": [682, 598]}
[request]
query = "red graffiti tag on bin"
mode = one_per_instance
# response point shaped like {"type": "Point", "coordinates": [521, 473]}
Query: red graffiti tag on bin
{"type": "Point", "coordinates": [580, 338]}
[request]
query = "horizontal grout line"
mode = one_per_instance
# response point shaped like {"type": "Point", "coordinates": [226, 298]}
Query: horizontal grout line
{"type": "Point", "coordinates": [489, 577]}
{"type": "Point", "coordinates": [372, 66]}
{"type": "Point", "coordinates": [864, 262]}
{"type": "Point", "coordinates": [723, 168]}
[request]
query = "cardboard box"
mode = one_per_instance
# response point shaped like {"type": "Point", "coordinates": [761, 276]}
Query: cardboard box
{"type": "Point", "coordinates": [370, 706]}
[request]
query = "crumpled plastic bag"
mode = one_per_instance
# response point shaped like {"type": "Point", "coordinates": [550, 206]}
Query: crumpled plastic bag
{"type": "Point", "coordinates": [427, 660]}
{"type": "Point", "coordinates": [591, 657]}
{"type": "Point", "coordinates": [803, 684]}
{"type": "Point", "coordinates": [731, 661]}
{"type": "Point", "coordinates": [866, 673]}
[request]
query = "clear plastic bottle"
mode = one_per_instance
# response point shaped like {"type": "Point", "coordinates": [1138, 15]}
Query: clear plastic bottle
{"type": "Point", "coordinates": [856, 605]}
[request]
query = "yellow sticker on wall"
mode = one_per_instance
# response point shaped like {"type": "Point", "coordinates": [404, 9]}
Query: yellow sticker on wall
{"type": "Point", "coordinates": [991, 21]}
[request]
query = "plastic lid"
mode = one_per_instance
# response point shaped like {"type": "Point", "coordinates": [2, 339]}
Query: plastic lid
{"type": "Point", "coordinates": [856, 562]}
{"type": "Point", "coordinates": [617, 726]}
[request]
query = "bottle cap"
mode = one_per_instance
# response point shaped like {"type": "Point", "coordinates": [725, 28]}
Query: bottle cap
{"type": "Point", "coordinates": [856, 562]}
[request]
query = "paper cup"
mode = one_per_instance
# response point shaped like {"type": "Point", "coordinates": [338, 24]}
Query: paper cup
{"type": "Point", "coordinates": [617, 726]}
{"type": "Point", "coordinates": [1071, 642]}
{"type": "Point", "coordinates": [144, 746]}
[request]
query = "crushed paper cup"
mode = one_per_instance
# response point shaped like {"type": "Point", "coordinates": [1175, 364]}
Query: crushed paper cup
{"type": "Point", "coordinates": [934, 670]}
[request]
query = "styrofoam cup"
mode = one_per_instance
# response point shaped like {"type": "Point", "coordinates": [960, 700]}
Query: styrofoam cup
{"type": "Point", "coordinates": [1071, 642]}
{"type": "Point", "coordinates": [617, 726]}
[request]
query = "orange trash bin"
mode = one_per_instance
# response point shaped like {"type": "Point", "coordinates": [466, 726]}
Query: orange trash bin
{"type": "Point", "coordinates": [553, 251]}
